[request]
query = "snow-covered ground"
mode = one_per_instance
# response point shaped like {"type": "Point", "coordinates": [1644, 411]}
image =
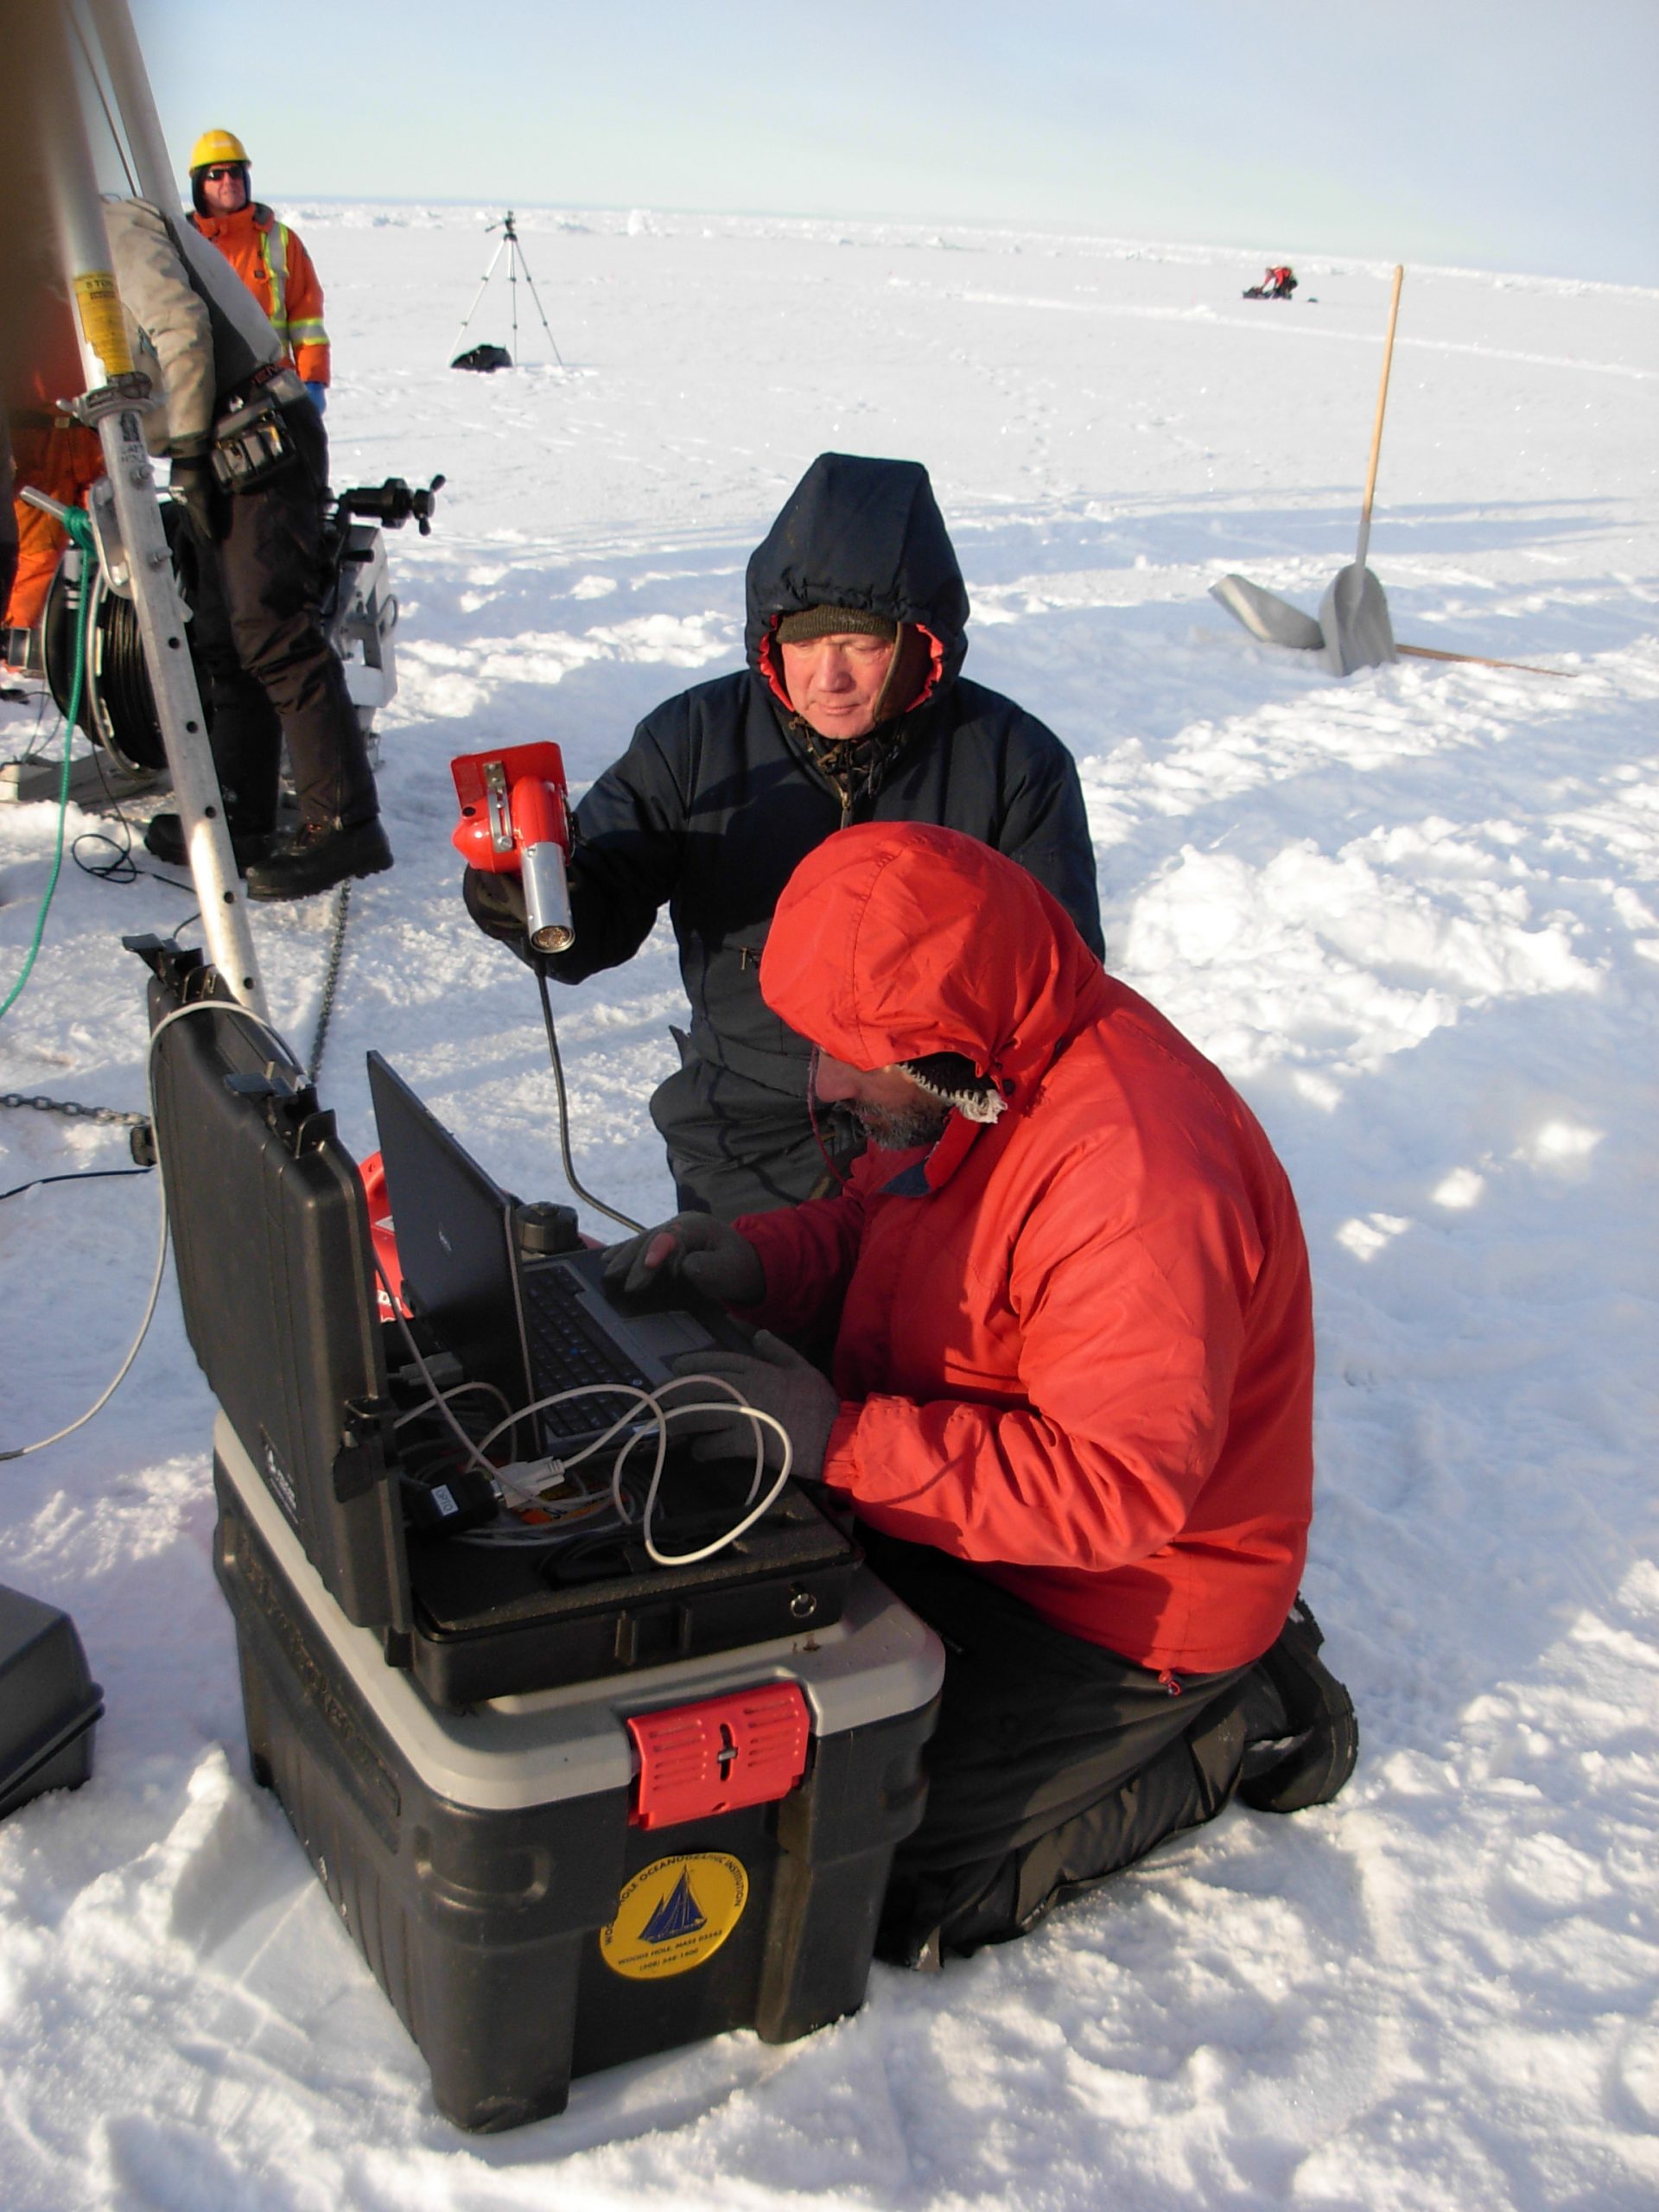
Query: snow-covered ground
{"type": "Point", "coordinates": [1416, 915]}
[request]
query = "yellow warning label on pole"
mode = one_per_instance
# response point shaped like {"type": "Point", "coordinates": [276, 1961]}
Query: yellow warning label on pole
{"type": "Point", "coordinates": [101, 325]}
{"type": "Point", "coordinates": [674, 1914]}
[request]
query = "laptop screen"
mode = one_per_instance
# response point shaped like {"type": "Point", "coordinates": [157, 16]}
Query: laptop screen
{"type": "Point", "coordinates": [451, 1221]}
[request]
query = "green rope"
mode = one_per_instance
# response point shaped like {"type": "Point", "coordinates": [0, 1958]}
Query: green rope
{"type": "Point", "coordinates": [80, 530]}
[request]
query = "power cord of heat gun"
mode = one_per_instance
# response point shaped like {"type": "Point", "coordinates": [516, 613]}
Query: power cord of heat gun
{"type": "Point", "coordinates": [570, 1176]}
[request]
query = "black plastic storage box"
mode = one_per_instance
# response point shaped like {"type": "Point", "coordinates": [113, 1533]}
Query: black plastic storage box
{"type": "Point", "coordinates": [550, 1882]}
{"type": "Point", "coordinates": [49, 1705]}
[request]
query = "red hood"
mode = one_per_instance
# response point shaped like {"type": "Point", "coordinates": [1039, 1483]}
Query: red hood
{"type": "Point", "coordinates": [896, 938]}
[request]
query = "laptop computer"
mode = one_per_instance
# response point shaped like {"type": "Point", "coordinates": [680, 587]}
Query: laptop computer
{"type": "Point", "coordinates": [532, 1323]}
{"type": "Point", "coordinates": [277, 1279]}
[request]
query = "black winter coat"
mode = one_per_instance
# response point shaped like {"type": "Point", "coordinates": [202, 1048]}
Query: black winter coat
{"type": "Point", "coordinates": [718, 796]}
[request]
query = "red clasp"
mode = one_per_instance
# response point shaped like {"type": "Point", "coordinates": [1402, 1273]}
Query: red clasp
{"type": "Point", "coordinates": [719, 1755]}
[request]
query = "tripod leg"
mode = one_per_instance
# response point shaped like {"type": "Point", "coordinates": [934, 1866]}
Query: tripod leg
{"type": "Point", "coordinates": [541, 311]}
{"type": "Point", "coordinates": [473, 310]}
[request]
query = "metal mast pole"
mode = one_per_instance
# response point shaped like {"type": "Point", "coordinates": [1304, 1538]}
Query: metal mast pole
{"type": "Point", "coordinates": [113, 402]}
{"type": "Point", "coordinates": [130, 81]}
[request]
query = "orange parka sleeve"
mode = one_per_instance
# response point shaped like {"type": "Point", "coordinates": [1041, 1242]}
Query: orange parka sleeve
{"type": "Point", "coordinates": [303, 333]}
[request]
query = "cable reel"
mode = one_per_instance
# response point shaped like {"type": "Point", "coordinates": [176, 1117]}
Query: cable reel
{"type": "Point", "coordinates": [117, 708]}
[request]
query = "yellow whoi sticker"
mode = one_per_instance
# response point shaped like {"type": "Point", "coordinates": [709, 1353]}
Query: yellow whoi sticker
{"type": "Point", "coordinates": [100, 319]}
{"type": "Point", "coordinates": [675, 1914]}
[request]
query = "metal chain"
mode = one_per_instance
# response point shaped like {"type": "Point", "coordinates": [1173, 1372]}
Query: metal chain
{"type": "Point", "coordinates": [76, 1113]}
{"type": "Point", "coordinates": [330, 979]}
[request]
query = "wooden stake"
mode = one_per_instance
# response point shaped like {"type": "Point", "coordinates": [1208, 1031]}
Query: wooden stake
{"type": "Point", "coordinates": [1432, 652]}
{"type": "Point", "coordinates": [1376, 432]}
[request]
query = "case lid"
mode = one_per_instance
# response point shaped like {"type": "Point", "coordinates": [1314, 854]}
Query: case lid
{"type": "Point", "coordinates": [276, 1275]}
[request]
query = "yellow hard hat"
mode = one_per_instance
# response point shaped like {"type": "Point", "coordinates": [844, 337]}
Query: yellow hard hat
{"type": "Point", "coordinates": [215, 147]}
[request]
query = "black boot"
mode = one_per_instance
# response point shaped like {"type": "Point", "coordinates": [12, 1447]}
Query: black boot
{"type": "Point", "coordinates": [319, 855]}
{"type": "Point", "coordinates": [164, 839]}
{"type": "Point", "coordinates": [1309, 1764]}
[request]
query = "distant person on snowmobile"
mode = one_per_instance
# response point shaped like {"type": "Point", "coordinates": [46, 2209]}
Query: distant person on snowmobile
{"type": "Point", "coordinates": [851, 709]}
{"type": "Point", "coordinates": [1278, 284]}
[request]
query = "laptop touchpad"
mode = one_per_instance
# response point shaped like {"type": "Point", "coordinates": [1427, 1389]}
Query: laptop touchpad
{"type": "Point", "coordinates": [667, 1335]}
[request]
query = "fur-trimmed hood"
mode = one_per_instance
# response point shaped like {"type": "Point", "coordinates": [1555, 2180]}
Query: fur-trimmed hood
{"type": "Point", "coordinates": [898, 939]}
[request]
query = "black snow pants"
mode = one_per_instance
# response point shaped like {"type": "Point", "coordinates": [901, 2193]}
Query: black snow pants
{"type": "Point", "coordinates": [1055, 1763]}
{"type": "Point", "coordinates": [270, 673]}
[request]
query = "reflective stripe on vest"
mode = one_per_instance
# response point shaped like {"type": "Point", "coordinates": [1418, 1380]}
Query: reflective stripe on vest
{"type": "Point", "coordinates": [277, 277]}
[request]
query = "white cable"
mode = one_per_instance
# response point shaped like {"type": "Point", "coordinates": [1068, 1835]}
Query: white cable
{"type": "Point", "coordinates": [456, 1390]}
{"type": "Point", "coordinates": [196, 1005]}
{"type": "Point", "coordinates": [529, 1537]}
{"type": "Point", "coordinates": [565, 1397]}
{"type": "Point", "coordinates": [750, 1413]}
{"type": "Point", "coordinates": [662, 1415]}
{"type": "Point", "coordinates": [439, 1398]}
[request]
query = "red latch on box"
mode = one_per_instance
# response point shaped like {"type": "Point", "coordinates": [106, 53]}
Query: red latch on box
{"type": "Point", "coordinates": [718, 1755]}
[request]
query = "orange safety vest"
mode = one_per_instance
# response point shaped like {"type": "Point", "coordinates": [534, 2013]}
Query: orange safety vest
{"type": "Point", "coordinates": [272, 262]}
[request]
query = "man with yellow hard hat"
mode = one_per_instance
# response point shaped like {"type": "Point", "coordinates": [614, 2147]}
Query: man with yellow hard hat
{"type": "Point", "coordinates": [239, 343]}
{"type": "Point", "coordinates": [269, 258]}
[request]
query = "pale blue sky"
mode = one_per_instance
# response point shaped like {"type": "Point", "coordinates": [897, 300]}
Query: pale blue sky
{"type": "Point", "coordinates": [1504, 134]}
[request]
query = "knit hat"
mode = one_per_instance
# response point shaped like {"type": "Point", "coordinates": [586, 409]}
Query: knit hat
{"type": "Point", "coordinates": [953, 1078]}
{"type": "Point", "coordinates": [834, 622]}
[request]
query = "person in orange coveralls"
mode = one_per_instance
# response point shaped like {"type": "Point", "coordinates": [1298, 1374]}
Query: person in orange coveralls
{"type": "Point", "coordinates": [269, 258]}
{"type": "Point", "coordinates": [51, 452]}
{"type": "Point", "coordinates": [1070, 1400]}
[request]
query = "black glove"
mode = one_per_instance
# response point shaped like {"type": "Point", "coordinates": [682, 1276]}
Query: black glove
{"type": "Point", "coordinates": [775, 1380]}
{"type": "Point", "coordinates": [192, 479]}
{"type": "Point", "coordinates": [692, 1247]}
{"type": "Point", "coordinates": [496, 903]}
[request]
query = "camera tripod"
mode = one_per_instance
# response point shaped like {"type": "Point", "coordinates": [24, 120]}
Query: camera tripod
{"type": "Point", "coordinates": [516, 261]}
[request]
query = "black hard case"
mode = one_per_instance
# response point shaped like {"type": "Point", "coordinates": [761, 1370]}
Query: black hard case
{"type": "Point", "coordinates": [271, 1239]}
{"type": "Point", "coordinates": [270, 1231]}
{"type": "Point", "coordinates": [49, 1705]}
{"type": "Point", "coordinates": [475, 1857]}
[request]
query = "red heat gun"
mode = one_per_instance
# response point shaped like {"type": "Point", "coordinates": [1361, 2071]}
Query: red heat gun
{"type": "Point", "coordinates": [515, 820]}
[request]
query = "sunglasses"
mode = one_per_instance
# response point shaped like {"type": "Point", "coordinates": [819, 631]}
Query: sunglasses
{"type": "Point", "coordinates": [218, 176]}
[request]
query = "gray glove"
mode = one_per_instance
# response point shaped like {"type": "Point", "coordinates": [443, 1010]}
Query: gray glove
{"type": "Point", "coordinates": [777, 1381]}
{"type": "Point", "coordinates": [692, 1247]}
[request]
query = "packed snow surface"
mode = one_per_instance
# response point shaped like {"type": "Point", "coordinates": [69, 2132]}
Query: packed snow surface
{"type": "Point", "coordinates": [1414, 915]}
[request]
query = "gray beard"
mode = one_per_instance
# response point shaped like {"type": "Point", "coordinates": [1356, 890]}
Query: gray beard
{"type": "Point", "coordinates": [901, 1131]}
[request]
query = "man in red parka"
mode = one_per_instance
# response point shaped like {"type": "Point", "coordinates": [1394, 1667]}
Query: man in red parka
{"type": "Point", "coordinates": [1071, 1392]}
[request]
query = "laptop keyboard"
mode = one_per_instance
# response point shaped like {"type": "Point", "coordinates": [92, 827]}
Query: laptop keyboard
{"type": "Point", "coordinates": [567, 1348]}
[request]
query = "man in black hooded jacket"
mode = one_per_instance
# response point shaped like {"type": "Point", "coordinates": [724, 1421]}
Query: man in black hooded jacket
{"type": "Point", "coordinates": [851, 709]}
